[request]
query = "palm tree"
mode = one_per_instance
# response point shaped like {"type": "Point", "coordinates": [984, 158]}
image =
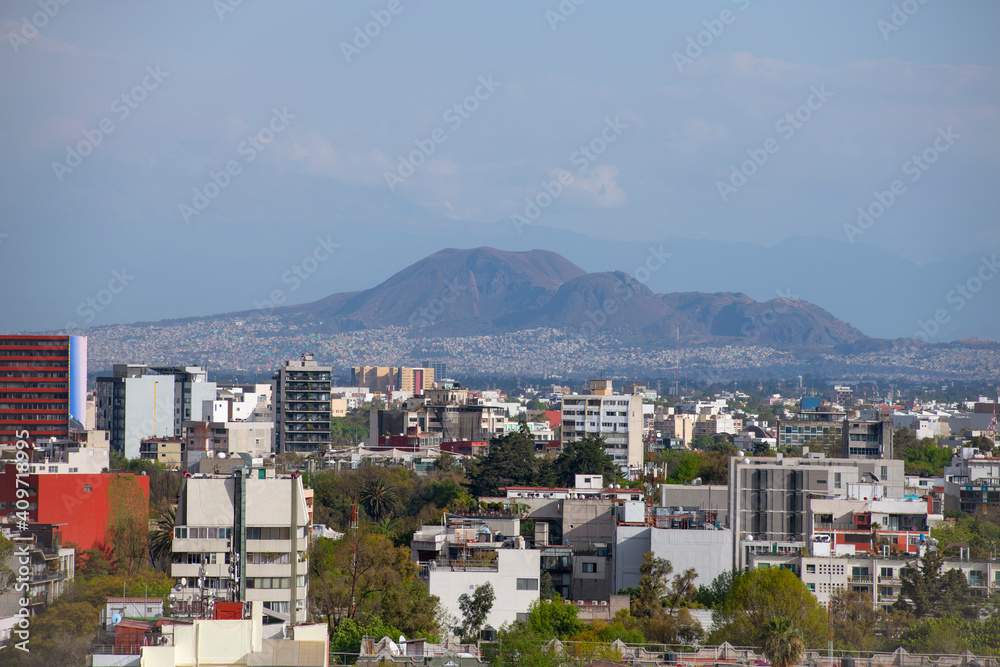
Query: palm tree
{"type": "Point", "coordinates": [161, 539]}
{"type": "Point", "coordinates": [783, 645]}
{"type": "Point", "coordinates": [378, 499]}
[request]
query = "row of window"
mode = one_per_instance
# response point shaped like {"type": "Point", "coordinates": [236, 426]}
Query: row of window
{"type": "Point", "coordinates": [202, 533]}
{"type": "Point", "coordinates": [275, 582]}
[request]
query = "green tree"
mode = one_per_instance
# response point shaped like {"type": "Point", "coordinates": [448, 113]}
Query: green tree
{"type": "Point", "coordinates": [126, 529]}
{"type": "Point", "coordinates": [379, 499]}
{"type": "Point", "coordinates": [7, 575]}
{"type": "Point", "coordinates": [757, 596]}
{"type": "Point", "coordinates": [161, 539]}
{"type": "Point", "coordinates": [554, 619]}
{"type": "Point", "coordinates": [475, 609]}
{"type": "Point", "coordinates": [928, 592]}
{"type": "Point", "coordinates": [510, 461]}
{"type": "Point", "coordinates": [716, 592]}
{"type": "Point", "coordinates": [782, 644]}
{"type": "Point", "coordinates": [584, 457]}
{"type": "Point", "coordinates": [346, 638]}
{"type": "Point", "coordinates": [654, 576]}
{"type": "Point", "coordinates": [856, 622]}
{"type": "Point", "coordinates": [519, 645]}
{"type": "Point", "coordinates": [364, 575]}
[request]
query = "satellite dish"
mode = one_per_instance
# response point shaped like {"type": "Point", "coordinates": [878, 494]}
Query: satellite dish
{"type": "Point", "coordinates": [184, 582]}
{"type": "Point", "coordinates": [402, 639]}
{"type": "Point", "coordinates": [739, 453]}
{"type": "Point", "coordinates": [746, 461]}
{"type": "Point", "coordinates": [116, 618]}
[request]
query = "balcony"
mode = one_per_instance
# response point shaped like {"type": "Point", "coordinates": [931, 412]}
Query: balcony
{"type": "Point", "coordinates": [861, 579]}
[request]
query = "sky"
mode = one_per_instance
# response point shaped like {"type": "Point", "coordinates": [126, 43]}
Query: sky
{"type": "Point", "coordinates": [180, 156]}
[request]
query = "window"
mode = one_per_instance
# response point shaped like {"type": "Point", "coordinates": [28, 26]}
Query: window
{"type": "Point", "coordinates": [811, 568]}
{"type": "Point", "coordinates": [590, 567]}
{"type": "Point", "coordinates": [887, 572]}
{"type": "Point", "coordinates": [811, 587]}
{"type": "Point", "coordinates": [527, 584]}
{"type": "Point", "coordinates": [87, 488]}
{"type": "Point", "coordinates": [268, 533]}
{"type": "Point", "coordinates": [181, 532]}
{"type": "Point", "coordinates": [836, 480]}
{"type": "Point", "coordinates": [522, 616]}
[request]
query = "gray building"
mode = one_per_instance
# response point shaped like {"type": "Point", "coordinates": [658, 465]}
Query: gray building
{"type": "Point", "coordinates": [140, 401]}
{"type": "Point", "coordinates": [301, 396]}
{"type": "Point", "coordinates": [705, 550]}
{"type": "Point", "coordinates": [768, 497]}
{"type": "Point", "coordinates": [867, 439]}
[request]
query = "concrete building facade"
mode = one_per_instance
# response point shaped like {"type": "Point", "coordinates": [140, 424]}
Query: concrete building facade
{"type": "Point", "coordinates": [616, 418]}
{"type": "Point", "coordinates": [244, 537]}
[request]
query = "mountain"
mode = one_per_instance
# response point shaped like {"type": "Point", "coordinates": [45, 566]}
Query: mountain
{"type": "Point", "coordinates": [483, 290]}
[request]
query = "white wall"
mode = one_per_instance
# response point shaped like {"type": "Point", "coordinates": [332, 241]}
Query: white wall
{"type": "Point", "coordinates": [509, 601]}
{"type": "Point", "coordinates": [709, 552]}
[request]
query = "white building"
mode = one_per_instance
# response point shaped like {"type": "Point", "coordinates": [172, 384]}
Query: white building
{"type": "Point", "coordinates": [616, 418]}
{"type": "Point", "coordinates": [272, 517]}
{"type": "Point", "coordinates": [231, 642]}
{"type": "Point", "coordinates": [514, 576]}
{"type": "Point", "coordinates": [923, 424]}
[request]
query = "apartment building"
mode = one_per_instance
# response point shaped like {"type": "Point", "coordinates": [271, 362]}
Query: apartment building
{"type": "Point", "coordinates": [386, 379]}
{"type": "Point", "coordinates": [808, 425]}
{"type": "Point", "coordinates": [301, 397]}
{"type": "Point", "coordinates": [243, 537]}
{"type": "Point", "coordinates": [139, 401]}
{"type": "Point", "coordinates": [972, 481]}
{"type": "Point", "coordinates": [448, 414]}
{"type": "Point", "coordinates": [874, 575]}
{"type": "Point", "coordinates": [43, 383]}
{"type": "Point", "coordinates": [768, 508]}
{"type": "Point", "coordinates": [51, 568]}
{"type": "Point", "coordinates": [616, 418]}
{"type": "Point", "coordinates": [867, 439]}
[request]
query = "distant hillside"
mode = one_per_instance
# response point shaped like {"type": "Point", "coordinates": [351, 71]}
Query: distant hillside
{"type": "Point", "coordinates": [466, 292]}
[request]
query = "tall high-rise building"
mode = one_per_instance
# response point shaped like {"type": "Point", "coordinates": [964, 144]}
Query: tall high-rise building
{"type": "Point", "coordinates": [382, 379]}
{"type": "Point", "coordinates": [43, 383]}
{"type": "Point", "coordinates": [618, 419]}
{"type": "Point", "coordinates": [301, 395]}
{"type": "Point", "coordinates": [140, 401]}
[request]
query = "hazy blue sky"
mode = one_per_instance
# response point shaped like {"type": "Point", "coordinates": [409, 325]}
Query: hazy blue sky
{"type": "Point", "coordinates": [880, 94]}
